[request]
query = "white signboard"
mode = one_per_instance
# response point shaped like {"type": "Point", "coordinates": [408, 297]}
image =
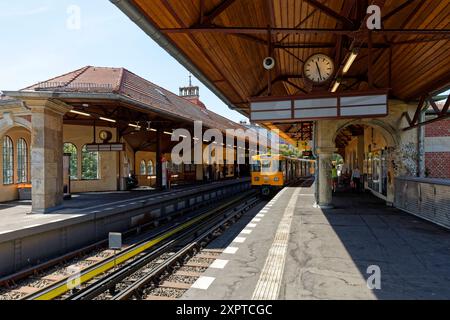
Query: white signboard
{"type": "Point", "coordinates": [115, 241]}
{"type": "Point", "coordinates": [331, 106]}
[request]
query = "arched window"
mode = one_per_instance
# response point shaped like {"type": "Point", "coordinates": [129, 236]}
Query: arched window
{"type": "Point", "coordinates": [8, 161]}
{"type": "Point", "coordinates": [22, 161]}
{"type": "Point", "coordinates": [72, 149]}
{"type": "Point", "coordinates": [150, 170]}
{"type": "Point", "coordinates": [89, 165]}
{"type": "Point", "coordinates": [142, 168]}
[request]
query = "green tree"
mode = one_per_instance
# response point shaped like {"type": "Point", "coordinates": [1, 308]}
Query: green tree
{"type": "Point", "coordinates": [89, 165]}
{"type": "Point", "coordinates": [72, 149]}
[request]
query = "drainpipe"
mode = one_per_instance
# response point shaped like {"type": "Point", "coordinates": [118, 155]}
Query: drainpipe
{"type": "Point", "coordinates": [140, 20]}
{"type": "Point", "coordinates": [421, 144]}
{"type": "Point", "coordinates": [316, 171]}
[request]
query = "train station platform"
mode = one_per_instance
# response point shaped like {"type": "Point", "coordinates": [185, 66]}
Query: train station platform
{"type": "Point", "coordinates": [17, 215]}
{"type": "Point", "coordinates": [291, 250]}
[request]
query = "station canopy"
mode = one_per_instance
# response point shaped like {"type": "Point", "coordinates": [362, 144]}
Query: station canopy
{"type": "Point", "coordinates": [224, 43]}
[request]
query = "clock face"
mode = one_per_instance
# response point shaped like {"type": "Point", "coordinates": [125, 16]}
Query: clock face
{"type": "Point", "coordinates": [105, 135]}
{"type": "Point", "coordinates": [319, 68]}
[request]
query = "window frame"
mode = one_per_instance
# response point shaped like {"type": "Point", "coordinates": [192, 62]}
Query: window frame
{"type": "Point", "coordinates": [8, 172]}
{"type": "Point", "coordinates": [76, 176]}
{"type": "Point", "coordinates": [150, 172]}
{"type": "Point", "coordinates": [143, 168]}
{"type": "Point", "coordinates": [22, 161]}
{"type": "Point", "coordinates": [84, 152]}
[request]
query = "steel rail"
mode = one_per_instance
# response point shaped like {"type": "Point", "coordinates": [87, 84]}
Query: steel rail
{"type": "Point", "coordinates": [17, 276]}
{"type": "Point", "coordinates": [91, 272]}
{"type": "Point", "coordinates": [160, 269]}
{"type": "Point", "coordinates": [110, 281]}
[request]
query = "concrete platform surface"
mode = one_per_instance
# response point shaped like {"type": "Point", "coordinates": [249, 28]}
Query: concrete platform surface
{"type": "Point", "coordinates": [291, 250]}
{"type": "Point", "coordinates": [17, 215]}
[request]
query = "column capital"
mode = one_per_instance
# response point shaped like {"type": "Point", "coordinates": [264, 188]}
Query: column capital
{"type": "Point", "coordinates": [40, 105]}
{"type": "Point", "coordinates": [14, 107]}
{"type": "Point", "coordinates": [326, 150]}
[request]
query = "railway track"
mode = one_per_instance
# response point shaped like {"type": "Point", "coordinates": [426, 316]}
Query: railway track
{"type": "Point", "coordinates": [140, 279]}
{"type": "Point", "coordinates": [61, 282]}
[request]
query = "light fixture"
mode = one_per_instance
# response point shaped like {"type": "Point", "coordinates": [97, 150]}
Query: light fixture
{"type": "Point", "coordinates": [108, 120]}
{"type": "Point", "coordinates": [168, 133]}
{"type": "Point", "coordinates": [336, 85]}
{"type": "Point", "coordinates": [350, 60]}
{"type": "Point", "coordinates": [149, 126]}
{"type": "Point", "coordinates": [80, 113]}
{"type": "Point", "coordinates": [136, 126]}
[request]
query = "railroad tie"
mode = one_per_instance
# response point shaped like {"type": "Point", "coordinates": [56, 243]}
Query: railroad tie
{"type": "Point", "coordinates": [197, 264]}
{"type": "Point", "coordinates": [175, 285]}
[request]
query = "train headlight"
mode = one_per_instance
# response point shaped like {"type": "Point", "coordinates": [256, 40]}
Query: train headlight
{"type": "Point", "coordinates": [276, 179]}
{"type": "Point", "coordinates": [256, 178]}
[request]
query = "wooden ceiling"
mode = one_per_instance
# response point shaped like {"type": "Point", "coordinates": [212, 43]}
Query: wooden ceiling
{"type": "Point", "coordinates": [347, 134]}
{"type": "Point", "coordinates": [227, 41]}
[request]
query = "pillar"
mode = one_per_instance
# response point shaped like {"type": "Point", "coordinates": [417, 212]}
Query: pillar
{"type": "Point", "coordinates": [47, 154]}
{"type": "Point", "coordinates": [325, 193]}
{"type": "Point", "coordinates": [199, 174]}
{"type": "Point", "coordinates": [158, 159]}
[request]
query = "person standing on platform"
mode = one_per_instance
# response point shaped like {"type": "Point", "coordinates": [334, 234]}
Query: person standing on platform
{"type": "Point", "coordinates": [334, 177]}
{"type": "Point", "coordinates": [356, 178]}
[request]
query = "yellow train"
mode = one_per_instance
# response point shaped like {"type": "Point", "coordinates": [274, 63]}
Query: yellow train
{"type": "Point", "coordinates": [273, 172]}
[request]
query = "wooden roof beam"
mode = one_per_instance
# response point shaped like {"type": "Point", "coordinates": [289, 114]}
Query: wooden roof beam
{"type": "Point", "coordinates": [421, 40]}
{"type": "Point", "coordinates": [295, 86]}
{"type": "Point", "coordinates": [218, 10]}
{"type": "Point", "coordinates": [301, 23]}
{"type": "Point", "coordinates": [263, 31]}
{"type": "Point", "coordinates": [250, 38]}
{"type": "Point", "coordinates": [277, 79]}
{"type": "Point", "coordinates": [323, 45]}
{"type": "Point", "coordinates": [398, 9]}
{"type": "Point", "coordinates": [331, 13]}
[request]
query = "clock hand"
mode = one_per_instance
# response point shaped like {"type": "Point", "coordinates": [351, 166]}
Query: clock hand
{"type": "Point", "coordinates": [318, 69]}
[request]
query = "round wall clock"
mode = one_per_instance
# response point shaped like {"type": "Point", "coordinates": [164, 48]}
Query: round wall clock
{"type": "Point", "coordinates": [318, 68]}
{"type": "Point", "coordinates": [105, 135]}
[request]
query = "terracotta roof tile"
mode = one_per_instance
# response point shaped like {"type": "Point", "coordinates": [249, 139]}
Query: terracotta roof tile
{"type": "Point", "coordinates": [121, 81]}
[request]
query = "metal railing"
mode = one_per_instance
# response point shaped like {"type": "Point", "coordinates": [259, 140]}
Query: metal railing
{"type": "Point", "coordinates": [426, 198]}
{"type": "Point", "coordinates": [65, 86]}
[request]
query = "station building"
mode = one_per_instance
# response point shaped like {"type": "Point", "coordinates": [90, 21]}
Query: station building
{"type": "Point", "coordinates": [365, 88]}
{"type": "Point", "coordinates": [96, 107]}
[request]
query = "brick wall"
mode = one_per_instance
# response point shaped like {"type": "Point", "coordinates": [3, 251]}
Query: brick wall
{"type": "Point", "coordinates": [438, 129]}
{"type": "Point", "coordinates": [438, 163]}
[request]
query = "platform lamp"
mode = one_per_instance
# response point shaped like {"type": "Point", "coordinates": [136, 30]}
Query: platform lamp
{"type": "Point", "coordinates": [149, 126]}
{"type": "Point", "coordinates": [336, 85]}
{"type": "Point", "coordinates": [350, 60]}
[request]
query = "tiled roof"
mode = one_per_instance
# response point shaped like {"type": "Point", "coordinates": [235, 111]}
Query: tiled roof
{"type": "Point", "coordinates": [121, 81]}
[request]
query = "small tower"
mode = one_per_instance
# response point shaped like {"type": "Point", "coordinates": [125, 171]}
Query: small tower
{"type": "Point", "coordinates": [192, 93]}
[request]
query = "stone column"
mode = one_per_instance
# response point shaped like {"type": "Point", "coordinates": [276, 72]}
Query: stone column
{"type": "Point", "coordinates": [325, 192]}
{"type": "Point", "coordinates": [159, 155]}
{"type": "Point", "coordinates": [46, 154]}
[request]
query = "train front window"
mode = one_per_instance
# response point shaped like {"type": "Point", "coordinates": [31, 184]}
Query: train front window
{"type": "Point", "coordinates": [256, 167]}
{"type": "Point", "coordinates": [270, 166]}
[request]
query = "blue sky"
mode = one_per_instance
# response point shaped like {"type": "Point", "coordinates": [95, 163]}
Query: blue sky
{"type": "Point", "coordinates": [37, 45]}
